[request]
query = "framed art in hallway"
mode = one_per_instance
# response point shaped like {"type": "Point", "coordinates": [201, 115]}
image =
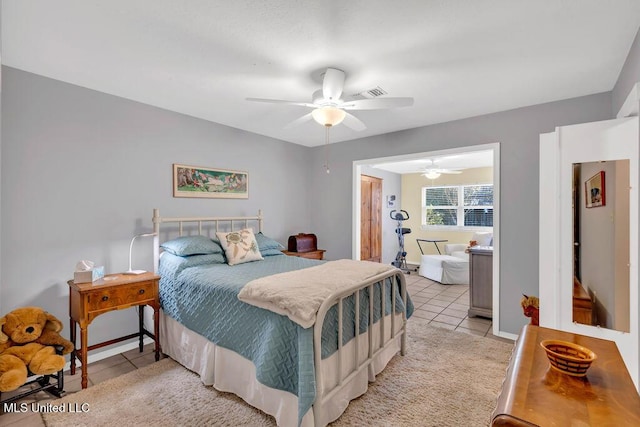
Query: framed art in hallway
{"type": "Point", "coordinates": [595, 191]}
{"type": "Point", "coordinates": [203, 182]}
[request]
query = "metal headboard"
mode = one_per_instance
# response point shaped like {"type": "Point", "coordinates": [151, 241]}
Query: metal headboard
{"type": "Point", "coordinates": [199, 224]}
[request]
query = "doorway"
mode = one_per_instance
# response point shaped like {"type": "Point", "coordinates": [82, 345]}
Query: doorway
{"type": "Point", "coordinates": [359, 168]}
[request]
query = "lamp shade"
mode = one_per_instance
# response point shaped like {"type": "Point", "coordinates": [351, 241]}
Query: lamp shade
{"type": "Point", "coordinates": [431, 174]}
{"type": "Point", "coordinates": [328, 116]}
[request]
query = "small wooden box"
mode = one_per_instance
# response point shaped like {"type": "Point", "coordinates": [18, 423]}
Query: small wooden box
{"type": "Point", "coordinates": [303, 242]}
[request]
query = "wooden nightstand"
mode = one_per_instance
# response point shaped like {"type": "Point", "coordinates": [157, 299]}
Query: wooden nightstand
{"type": "Point", "coordinates": [317, 254]}
{"type": "Point", "coordinates": [113, 292]}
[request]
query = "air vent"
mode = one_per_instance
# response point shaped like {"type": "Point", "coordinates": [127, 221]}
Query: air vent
{"type": "Point", "coordinates": [369, 94]}
{"type": "Point", "coordinates": [376, 91]}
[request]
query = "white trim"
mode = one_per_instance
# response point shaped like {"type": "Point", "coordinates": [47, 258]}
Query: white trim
{"type": "Point", "coordinates": [496, 245]}
{"type": "Point", "coordinates": [355, 228]}
{"type": "Point", "coordinates": [631, 104]}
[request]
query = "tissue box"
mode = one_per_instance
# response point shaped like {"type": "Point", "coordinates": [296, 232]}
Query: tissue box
{"type": "Point", "coordinates": [96, 273]}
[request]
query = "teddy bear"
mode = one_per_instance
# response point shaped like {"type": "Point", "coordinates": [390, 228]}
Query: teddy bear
{"type": "Point", "coordinates": [28, 337]}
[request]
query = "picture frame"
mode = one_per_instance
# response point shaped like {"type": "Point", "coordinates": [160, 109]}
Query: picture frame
{"type": "Point", "coordinates": [391, 201]}
{"type": "Point", "coordinates": [205, 182]}
{"type": "Point", "coordinates": [595, 191]}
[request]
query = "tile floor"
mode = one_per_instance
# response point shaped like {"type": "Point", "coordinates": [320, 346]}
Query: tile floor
{"type": "Point", "coordinates": [443, 305]}
{"type": "Point", "coordinates": [98, 372]}
{"type": "Point", "coordinates": [446, 306]}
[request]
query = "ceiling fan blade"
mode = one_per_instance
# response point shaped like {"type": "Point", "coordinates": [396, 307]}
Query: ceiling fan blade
{"type": "Point", "coordinates": [332, 84]}
{"type": "Point", "coordinates": [280, 101]}
{"type": "Point", "coordinates": [299, 121]}
{"type": "Point", "coordinates": [377, 103]}
{"type": "Point", "coordinates": [452, 172]}
{"type": "Point", "coordinates": [353, 122]}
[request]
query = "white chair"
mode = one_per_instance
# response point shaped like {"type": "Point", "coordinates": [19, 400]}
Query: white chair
{"type": "Point", "coordinates": [452, 268]}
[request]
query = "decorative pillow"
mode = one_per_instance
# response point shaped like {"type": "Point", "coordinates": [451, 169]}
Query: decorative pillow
{"type": "Point", "coordinates": [266, 243]}
{"type": "Point", "coordinates": [240, 246]}
{"type": "Point", "coordinates": [192, 245]}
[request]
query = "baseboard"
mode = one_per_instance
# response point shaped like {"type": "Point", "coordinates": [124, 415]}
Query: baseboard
{"type": "Point", "coordinates": [99, 355]}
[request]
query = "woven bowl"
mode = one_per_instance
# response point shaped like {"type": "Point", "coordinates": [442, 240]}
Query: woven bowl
{"type": "Point", "coordinates": [568, 358]}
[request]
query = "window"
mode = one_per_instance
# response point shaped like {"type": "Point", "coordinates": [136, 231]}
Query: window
{"type": "Point", "coordinates": [458, 206]}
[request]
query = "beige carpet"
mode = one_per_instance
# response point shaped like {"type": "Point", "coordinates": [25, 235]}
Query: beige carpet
{"type": "Point", "coordinates": [447, 378]}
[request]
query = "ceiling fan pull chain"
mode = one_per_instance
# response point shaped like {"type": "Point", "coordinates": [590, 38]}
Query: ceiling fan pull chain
{"type": "Point", "coordinates": [326, 148]}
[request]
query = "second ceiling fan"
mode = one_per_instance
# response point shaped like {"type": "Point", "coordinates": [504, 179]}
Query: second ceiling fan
{"type": "Point", "coordinates": [329, 109]}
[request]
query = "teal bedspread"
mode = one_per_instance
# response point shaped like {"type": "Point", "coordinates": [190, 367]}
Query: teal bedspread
{"type": "Point", "coordinates": [204, 299]}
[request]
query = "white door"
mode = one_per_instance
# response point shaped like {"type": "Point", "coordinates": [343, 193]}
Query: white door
{"type": "Point", "coordinates": [609, 140]}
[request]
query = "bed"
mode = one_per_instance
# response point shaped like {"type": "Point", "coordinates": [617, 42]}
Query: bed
{"type": "Point", "coordinates": [300, 373]}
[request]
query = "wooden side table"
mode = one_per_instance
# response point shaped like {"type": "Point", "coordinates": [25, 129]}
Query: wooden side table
{"type": "Point", "coordinates": [113, 292]}
{"type": "Point", "coordinates": [317, 254]}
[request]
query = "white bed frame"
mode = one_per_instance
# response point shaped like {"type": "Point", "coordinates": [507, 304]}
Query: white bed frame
{"type": "Point", "coordinates": [339, 378]}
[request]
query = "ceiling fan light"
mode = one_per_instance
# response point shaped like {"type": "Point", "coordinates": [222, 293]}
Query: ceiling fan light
{"type": "Point", "coordinates": [431, 174]}
{"type": "Point", "coordinates": [328, 116]}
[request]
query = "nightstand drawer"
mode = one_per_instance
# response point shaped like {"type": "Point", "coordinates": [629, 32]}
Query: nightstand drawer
{"type": "Point", "coordinates": [120, 297]}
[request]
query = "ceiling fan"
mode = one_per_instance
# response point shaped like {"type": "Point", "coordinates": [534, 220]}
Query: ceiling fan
{"type": "Point", "coordinates": [434, 172]}
{"type": "Point", "coordinates": [329, 109]}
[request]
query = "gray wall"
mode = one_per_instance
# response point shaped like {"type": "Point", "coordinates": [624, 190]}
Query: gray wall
{"type": "Point", "coordinates": [82, 171]}
{"type": "Point", "coordinates": [629, 76]}
{"type": "Point", "coordinates": [518, 133]}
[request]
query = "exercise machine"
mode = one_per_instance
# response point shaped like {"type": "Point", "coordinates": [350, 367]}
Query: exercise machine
{"type": "Point", "coordinates": [401, 258]}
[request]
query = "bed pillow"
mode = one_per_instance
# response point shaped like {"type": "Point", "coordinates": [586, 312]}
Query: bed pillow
{"type": "Point", "coordinates": [240, 246]}
{"type": "Point", "coordinates": [192, 245]}
{"type": "Point", "coordinates": [267, 244]}
{"type": "Point", "coordinates": [270, 252]}
{"type": "Point", "coordinates": [192, 260]}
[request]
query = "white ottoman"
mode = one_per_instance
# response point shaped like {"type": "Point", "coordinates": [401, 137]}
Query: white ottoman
{"type": "Point", "coordinates": [446, 269]}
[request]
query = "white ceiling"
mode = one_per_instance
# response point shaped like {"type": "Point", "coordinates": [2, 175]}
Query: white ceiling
{"type": "Point", "coordinates": [472, 159]}
{"type": "Point", "coordinates": [457, 58]}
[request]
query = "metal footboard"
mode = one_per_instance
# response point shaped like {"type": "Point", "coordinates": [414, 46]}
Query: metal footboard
{"type": "Point", "coordinates": [386, 339]}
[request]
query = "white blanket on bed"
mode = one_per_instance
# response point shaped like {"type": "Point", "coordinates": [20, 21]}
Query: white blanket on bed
{"type": "Point", "coordinates": [299, 294]}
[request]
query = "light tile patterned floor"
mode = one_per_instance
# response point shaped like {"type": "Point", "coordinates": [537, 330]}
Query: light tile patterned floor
{"type": "Point", "coordinates": [446, 306]}
{"type": "Point", "coordinates": [97, 371]}
{"type": "Point", "coordinates": [443, 305]}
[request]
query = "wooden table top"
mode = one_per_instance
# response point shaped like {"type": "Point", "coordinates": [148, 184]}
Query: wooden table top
{"type": "Point", "coordinates": [111, 280]}
{"type": "Point", "coordinates": [535, 394]}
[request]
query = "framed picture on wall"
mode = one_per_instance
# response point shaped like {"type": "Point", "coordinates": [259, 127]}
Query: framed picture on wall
{"type": "Point", "coordinates": [196, 181]}
{"type": "Point", "coordinates": [595, 191]}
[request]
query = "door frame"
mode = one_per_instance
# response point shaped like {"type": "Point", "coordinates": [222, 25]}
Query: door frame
{"type": "Point", "coordinates": [586, 142]}
{"type": "Point", "coordinates": [495, 147]}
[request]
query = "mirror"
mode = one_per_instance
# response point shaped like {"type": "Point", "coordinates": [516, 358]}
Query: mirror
{"type": "Point", "coordinates": [601, 246]}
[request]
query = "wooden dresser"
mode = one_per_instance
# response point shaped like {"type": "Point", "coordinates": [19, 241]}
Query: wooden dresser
{"type": "Point", "coordinates": [535, 395]}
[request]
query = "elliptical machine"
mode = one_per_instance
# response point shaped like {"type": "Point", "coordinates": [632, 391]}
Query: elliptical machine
{"type": "Point", "coordinates": [401, 258]}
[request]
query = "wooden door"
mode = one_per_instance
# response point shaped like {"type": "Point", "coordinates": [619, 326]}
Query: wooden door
{"type": "Point", "coordinates": [370, 218]}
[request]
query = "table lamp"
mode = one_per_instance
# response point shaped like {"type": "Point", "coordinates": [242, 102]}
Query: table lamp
{"type": "Point", "coordinates": [130, 271]}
